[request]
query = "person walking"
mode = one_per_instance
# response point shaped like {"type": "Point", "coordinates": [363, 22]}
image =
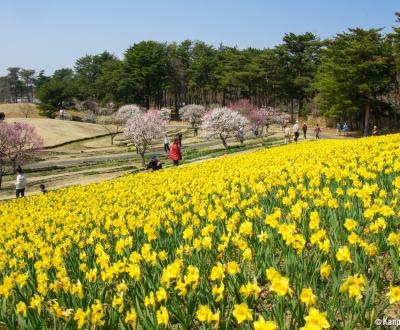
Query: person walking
{"type": "Point", "coordinates": [195, 130]}
{"type": "Point", "coordinates": [338, 128]}
{"type": "Point", "coordinates": [166, 143]}
{"type": "Point", "coordinates": [287, 133]}
{"type": "Point", "coordinates": [375, 131]}
{"type": "Point", "coordinates": [345, 129]}
{"type": "Point", "coordinates": [304, 128]}
{"type": "Point", "coordinates": [317, 130]}
{"type": "Point", "coordinates": [175, 152]}
{"type": "Point", "coordinates": [20, 183]}
{"type": "Point", "coordinates": [180, 139]}
{"type": "Point", "coordinates": [62, 114]}
{"type": "Point", "coordinates": [296, 131]}
{"type": "Point", "coordinates": [240, 134]}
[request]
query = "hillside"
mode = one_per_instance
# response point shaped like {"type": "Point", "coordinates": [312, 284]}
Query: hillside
{"type": "Point", "coordinates": [19, 110]}
{"type": "Point", "coordinates": [55, 132]}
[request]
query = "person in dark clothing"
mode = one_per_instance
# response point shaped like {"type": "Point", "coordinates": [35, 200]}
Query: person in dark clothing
{"type": "Point", "coordinates": [317, 130]}
{"type": "Point", "coordinates": [154, 164]}
{"type": "Point", "coordinates": [180, 139]}
{"type": "Point", "coordinates": [43, 188]}
{"type": "Point", "coordinates": [304, 127]}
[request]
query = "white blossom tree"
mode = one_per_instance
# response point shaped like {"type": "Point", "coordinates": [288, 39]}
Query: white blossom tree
{"type": "Point", "coordinates": [143, 129]}
{"type": "Point", "coordinates": [129, 110]}
{"type": "Point", "coordinates": [165, 114]}
{"type": "Point", "coordinates": [193, 114]}
{"type": "Point", "coordinates": [224, 123]}
{"type": "Point", "coordinates": [111, 121]}
{"type": "Point", "coordinates": [275, 116]}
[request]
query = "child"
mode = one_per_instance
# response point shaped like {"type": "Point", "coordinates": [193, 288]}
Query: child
{"type": "Point", "coordinates": [20, 183]}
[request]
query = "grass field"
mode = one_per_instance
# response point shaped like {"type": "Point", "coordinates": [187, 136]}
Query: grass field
{"type": "Point", "coordinates": [55, 132]}
{"type": "Point", "coordinates": [19, 110]}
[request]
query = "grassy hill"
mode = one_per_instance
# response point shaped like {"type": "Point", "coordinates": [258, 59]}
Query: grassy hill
{"type": "Point", "coordinates": [19, 110]}
{"type": "Point", "coordinates": [55, 132]}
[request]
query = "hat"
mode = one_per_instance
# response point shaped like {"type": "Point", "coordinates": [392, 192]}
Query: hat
{"type": "Point", "coordinates": [154, 157]}
{"type": "Point", "coordinates": [297, 121]}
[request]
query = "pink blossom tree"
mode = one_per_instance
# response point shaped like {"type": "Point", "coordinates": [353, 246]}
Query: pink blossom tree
{"type": "Point", "coordinates": [19, 142]}
{"type": "Point", "coordinates": [5, 134]}
{"type": "Point", "coordinates": [143, 129]}
{"type": "Point", "coordinates": [255, 115]}
{"type": "Point", "coordinates": [223, 123]}
{"type": "Point", "coordinates": [193, 114]}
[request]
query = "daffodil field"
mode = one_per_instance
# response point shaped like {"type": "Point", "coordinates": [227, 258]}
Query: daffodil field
{"type": "Point", "coordinates": [301, 236]}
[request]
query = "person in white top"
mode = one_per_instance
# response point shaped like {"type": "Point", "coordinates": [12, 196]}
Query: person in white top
{"type": "Point", "coordinates": [61, 114]}
{"type": "Point", "coordinates": [166, 143]}
{"type": "Point", "coordinates": [296, 130]}
{"type": "Point", "coordinates": [20, 183]}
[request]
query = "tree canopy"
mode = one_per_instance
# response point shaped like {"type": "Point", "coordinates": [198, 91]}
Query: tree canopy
{"type": "Point", "coordinates": [353, 76]}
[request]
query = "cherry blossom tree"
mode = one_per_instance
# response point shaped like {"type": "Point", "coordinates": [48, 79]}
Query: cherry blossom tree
{"type": "Point", "coordinates": [129, 110]}
{"type": "Point", "coordinates": [257, 117]}
{"type": "Point", "coordinates": [112, 121]}
{"type": "Point", "coordinates": [193, 114]}
{"type": "Point", "coordinates": [224, 123]}
{"type": "Point", "coordinates": [143, 129]}
{"type": "Point", "coordinates": [165, 114]}
{"type": "Point", "coordinates": [19, 142]}
{"type": "Point", "coordinates": [276, 116]}
{"type": "Point", "coordinates": [5, 134]}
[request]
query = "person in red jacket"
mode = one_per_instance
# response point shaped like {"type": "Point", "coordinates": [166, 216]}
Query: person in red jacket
{"type": "Point", "coordinates": [175, 152]}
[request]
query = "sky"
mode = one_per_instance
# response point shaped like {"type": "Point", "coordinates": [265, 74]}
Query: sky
{"type": "Point", "coordinates": [52, 34]}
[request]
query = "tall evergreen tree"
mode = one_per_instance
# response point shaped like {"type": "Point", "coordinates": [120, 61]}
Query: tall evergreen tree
{"type": "Point", "coordinates": [354, 75]}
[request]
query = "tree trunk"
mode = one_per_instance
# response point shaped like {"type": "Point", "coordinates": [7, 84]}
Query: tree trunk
{"type": "Point", "coordinates": [143, 161]}
{"type": "Point", "coordinates": [300, 106]}
{"type": "Point", "coordinates": [223, 141]}
{"type": "Point", "coordinates": [291, 110]}
{"type": "Point", "coordinates": [112, 136]}
{"type": "Point", "coordinates": [366, 119]}
{"type": "Point", "coordinates": [176, 104]}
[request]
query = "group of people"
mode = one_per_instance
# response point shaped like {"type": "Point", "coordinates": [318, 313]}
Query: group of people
{"type": "Point", "coordinates": [296, 131]}
{"type": "Point", "coordinates": [173, 150]}
{"type": "Point", "coordinates": [345, 129]}
{"type": "Point", "coordinates": [21, 181]}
